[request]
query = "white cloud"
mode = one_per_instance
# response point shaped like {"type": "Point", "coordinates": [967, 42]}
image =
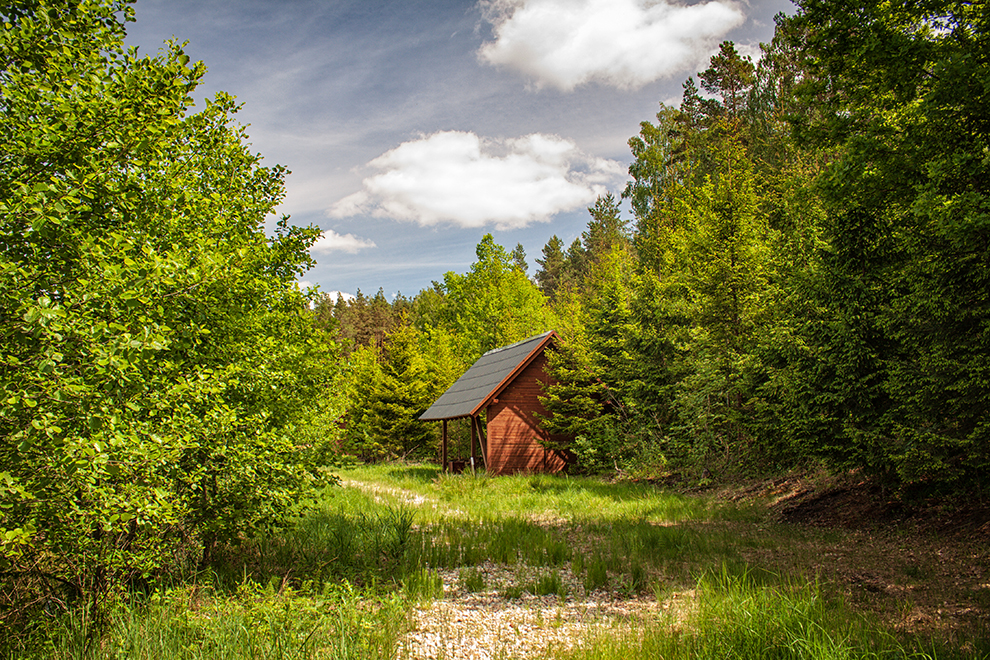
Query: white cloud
{"type": "Point", "coordinates": [331, 241]}
{"type": "Point", "coordinates": [458, 177]}
{"type": "Point", "coordinates": [336, 295]}
{"type": "Point", "coordinates": [622, 43]}
{"type": "Point", "coordinates": [750, 50]}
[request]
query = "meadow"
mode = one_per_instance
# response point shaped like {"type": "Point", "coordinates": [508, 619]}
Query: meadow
{"type": "Point", "coordinates": [401, 561]}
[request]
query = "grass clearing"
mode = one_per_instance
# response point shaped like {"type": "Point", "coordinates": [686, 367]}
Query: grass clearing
{"type": "Point", "coordinates": [405, 562]}
{"type": "Point", "coordinates": [636, 541]}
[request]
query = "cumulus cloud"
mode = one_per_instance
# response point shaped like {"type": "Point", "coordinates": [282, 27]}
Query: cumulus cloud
{"type": "Point", "coordinates": [336, 295]}
{"type": "Point", "coordinates": [461, 178]}
{"type": "Point", "coordinates": [331, 241]}
{"type": "Point", "coordinates": [622, 43]}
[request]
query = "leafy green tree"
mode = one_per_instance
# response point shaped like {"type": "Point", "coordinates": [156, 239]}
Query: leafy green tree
{"type": "Point", "coordinates": [363, 377]}
{"type": "Point", "coordinates": [391, 411]}
{"type": "Point", "coordinates": [388, 390]}
{"type": "Point", "coordinates": [659, 161]}
{"type": "Point", "coordinates": [576, 263]}
{"type": "Point", "coordinates": [720, 235]}
{"type": "Point", "coordinates": [590, 367]}
{"type": "Point", "coordinates": [429, 309]}
{"type": "Point", "coordinates": [605, 230]}
{"type": "Point", "coordinates": [717, 278]}
{"type": "Point", "coordinates": [494, 304]}
{"type": "Point", "coordinates": [157, 359]}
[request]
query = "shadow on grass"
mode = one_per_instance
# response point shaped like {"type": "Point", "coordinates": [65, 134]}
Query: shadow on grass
{"type": "Point", "coordinates": [418, 473]}
{"type": "Point", "coordinates": [560, 485]}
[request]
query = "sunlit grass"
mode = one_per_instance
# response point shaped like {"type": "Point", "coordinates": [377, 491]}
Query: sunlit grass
{"type": "Point", "coordinates": [640, 533]}
{"type": "Point", "coordinates": [737, 613]}
{"type": "Point", "coordinates": [548, 496]}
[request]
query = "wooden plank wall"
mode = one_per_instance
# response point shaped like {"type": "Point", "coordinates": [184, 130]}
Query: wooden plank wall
{"type": "Point", "coordinates": [513, 429]}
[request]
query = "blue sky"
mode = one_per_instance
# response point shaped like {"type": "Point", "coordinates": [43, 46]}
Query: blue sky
{"type": "Point", "coordinates": [412, 128]}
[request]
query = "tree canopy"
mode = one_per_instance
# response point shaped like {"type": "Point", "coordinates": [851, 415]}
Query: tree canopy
{"type": "Point", "coordinates": [157, 360]}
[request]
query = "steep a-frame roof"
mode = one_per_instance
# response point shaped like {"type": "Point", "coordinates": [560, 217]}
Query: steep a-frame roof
{"type": "Point", "coordinates": [486, 378]}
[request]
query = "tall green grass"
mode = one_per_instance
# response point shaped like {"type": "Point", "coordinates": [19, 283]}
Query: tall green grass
{"type": "Point", "coordinates": [333, 585]}
{"type": "Point", "coordinates": [637, 534]}
{"type": "Point", "coordinates": [641, 533]}
{"type": "Point", "coordinates": [257, 621]}
{"type": "Point", "coordinates": [348, 536]}
{"type": "Point", "coordinates": [741, 614]}
{"type": "Point", "coordinates": [508, 541]}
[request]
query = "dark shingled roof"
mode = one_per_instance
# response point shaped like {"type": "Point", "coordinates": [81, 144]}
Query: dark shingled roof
{"type": "Point", "coordinates": [471, 392]}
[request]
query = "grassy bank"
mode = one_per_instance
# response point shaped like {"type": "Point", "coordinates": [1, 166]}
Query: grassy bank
{"type": "Point", "coordinates": [254, 621]}
{"type": "Point", "coordinates": [345, 580]}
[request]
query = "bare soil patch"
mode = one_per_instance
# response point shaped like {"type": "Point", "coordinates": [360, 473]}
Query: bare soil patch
{"type": "Point", "coordinates": [922, 567]}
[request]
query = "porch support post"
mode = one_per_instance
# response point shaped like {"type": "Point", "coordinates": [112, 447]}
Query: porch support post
{"type": "Point", "coordinates": [474, 428]}
{"type": "Point", "coordinates": [443, 447]}
{"type": "Point", "coordinates": [483, 439]}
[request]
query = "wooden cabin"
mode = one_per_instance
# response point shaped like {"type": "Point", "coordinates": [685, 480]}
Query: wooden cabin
{"type": "Point", "coordinates": [505, 383]}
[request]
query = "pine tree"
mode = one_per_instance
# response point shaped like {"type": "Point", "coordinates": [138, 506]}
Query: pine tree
{"type": "Point", "coordinates": [605, 230]}
{"type": "Point", "coordinates": [730, 78]}
{"type": "Point", "coordinates": [403, 396]}
{"type": "Point", "coordinates": [552, 274]}
{"type": "Point", "coordinates": [518, 256]}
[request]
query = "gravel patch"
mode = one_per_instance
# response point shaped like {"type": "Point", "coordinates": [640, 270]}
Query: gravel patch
{"type": "Point", "coordinates": [489, 624]}
{"type": "Point", "coordinates": [501, 619]}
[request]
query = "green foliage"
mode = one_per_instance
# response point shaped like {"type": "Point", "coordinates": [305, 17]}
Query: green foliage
{"type": "Point", "coordinates": [363, 376]}
{"type": "Point", "coordinates": [493, 305]}
{"type": "Point", "coordinates": [590, 365]}
{"type": "Point", "coordinates": [902, 102]}
{"type": "Point", "coordinates": [704, 298]}
{"type": "Point", "coordinates": [518, 256]}
{"type": "Point", "coordinates": [606, 230]}
{"type": "Point", "coordinates": [388, 389]}
{"type": "Point", "coordinates": [157, 359]}
{"type": "Point", "coordinates": [818, 298]}
{"type": "Point", "coordinates": [729, 79]}
{"type": "Point", "coordinates": [392, 410]}
{"type": "Point", "coordinates": [361, 321]}
{"type": "Point", "coordinates": [552, 274]}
